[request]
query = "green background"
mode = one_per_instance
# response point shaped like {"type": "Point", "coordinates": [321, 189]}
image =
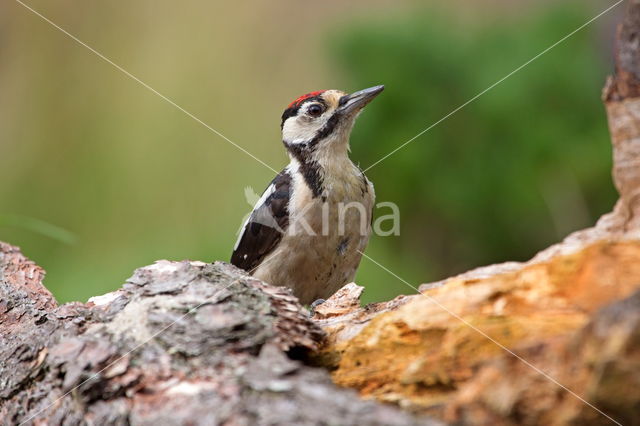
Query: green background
{"type": "Point", "coordinates": [98, 175]}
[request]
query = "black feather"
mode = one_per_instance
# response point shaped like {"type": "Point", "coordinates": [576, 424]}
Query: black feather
{"type": "Point", "coordinates": [265, 226]}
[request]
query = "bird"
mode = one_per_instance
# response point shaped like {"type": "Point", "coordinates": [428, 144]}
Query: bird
{"type": "Point", "coordinates": [311, 225]}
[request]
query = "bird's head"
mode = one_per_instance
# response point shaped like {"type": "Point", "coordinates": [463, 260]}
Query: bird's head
{"type": "Point", "coordinates": [322, 121]}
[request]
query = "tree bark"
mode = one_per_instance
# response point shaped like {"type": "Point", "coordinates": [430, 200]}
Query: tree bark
{"type": "Point", "coordinates": [179, 343]}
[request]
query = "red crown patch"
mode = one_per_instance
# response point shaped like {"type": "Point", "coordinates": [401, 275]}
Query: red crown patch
{"type": "Point", "coordinates": [304, 97]}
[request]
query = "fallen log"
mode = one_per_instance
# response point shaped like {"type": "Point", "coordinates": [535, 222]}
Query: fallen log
{"type": "Point", "coordinates": [179, 343]}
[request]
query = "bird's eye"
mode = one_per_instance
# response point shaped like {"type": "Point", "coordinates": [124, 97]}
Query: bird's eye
{"type": "Point", "coordinates": [315, 110]}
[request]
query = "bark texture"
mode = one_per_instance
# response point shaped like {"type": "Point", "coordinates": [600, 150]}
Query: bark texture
{"type": "Point", "coordinates": [179, 343]}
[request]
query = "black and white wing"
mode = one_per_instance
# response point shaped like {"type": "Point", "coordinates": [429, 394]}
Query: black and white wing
{"type": "Point", "coordinates": [264, 228]}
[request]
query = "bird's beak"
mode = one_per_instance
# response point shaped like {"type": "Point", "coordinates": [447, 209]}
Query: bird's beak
{"type": "Point", "coordinates": [356, 101]}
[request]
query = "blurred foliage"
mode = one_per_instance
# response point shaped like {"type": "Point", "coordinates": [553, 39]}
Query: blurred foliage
{"type": "Point", "coordinates": [37, 226]}
{"type": "Point", "coordinates": [89, 150]}
{"type": "Point", "coordinates": [507, 175]}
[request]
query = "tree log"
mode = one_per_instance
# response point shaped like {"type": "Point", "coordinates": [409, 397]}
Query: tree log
{"type": "Point", "coordinates": [179, 343]}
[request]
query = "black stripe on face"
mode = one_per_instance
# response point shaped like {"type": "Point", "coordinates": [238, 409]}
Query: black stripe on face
{"type": "Point", "coordinates": [327, 129]}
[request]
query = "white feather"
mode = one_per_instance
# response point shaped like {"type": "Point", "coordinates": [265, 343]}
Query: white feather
{"type": "Point", "coordinates": [270, 190]}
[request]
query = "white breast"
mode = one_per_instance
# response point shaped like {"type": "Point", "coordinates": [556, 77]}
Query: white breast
{"type": "Point", "coordinates": [319, 252]}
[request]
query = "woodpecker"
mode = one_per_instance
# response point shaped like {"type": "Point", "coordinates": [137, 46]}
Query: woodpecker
{"type": "Point", "coordinates": [311, 224]}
